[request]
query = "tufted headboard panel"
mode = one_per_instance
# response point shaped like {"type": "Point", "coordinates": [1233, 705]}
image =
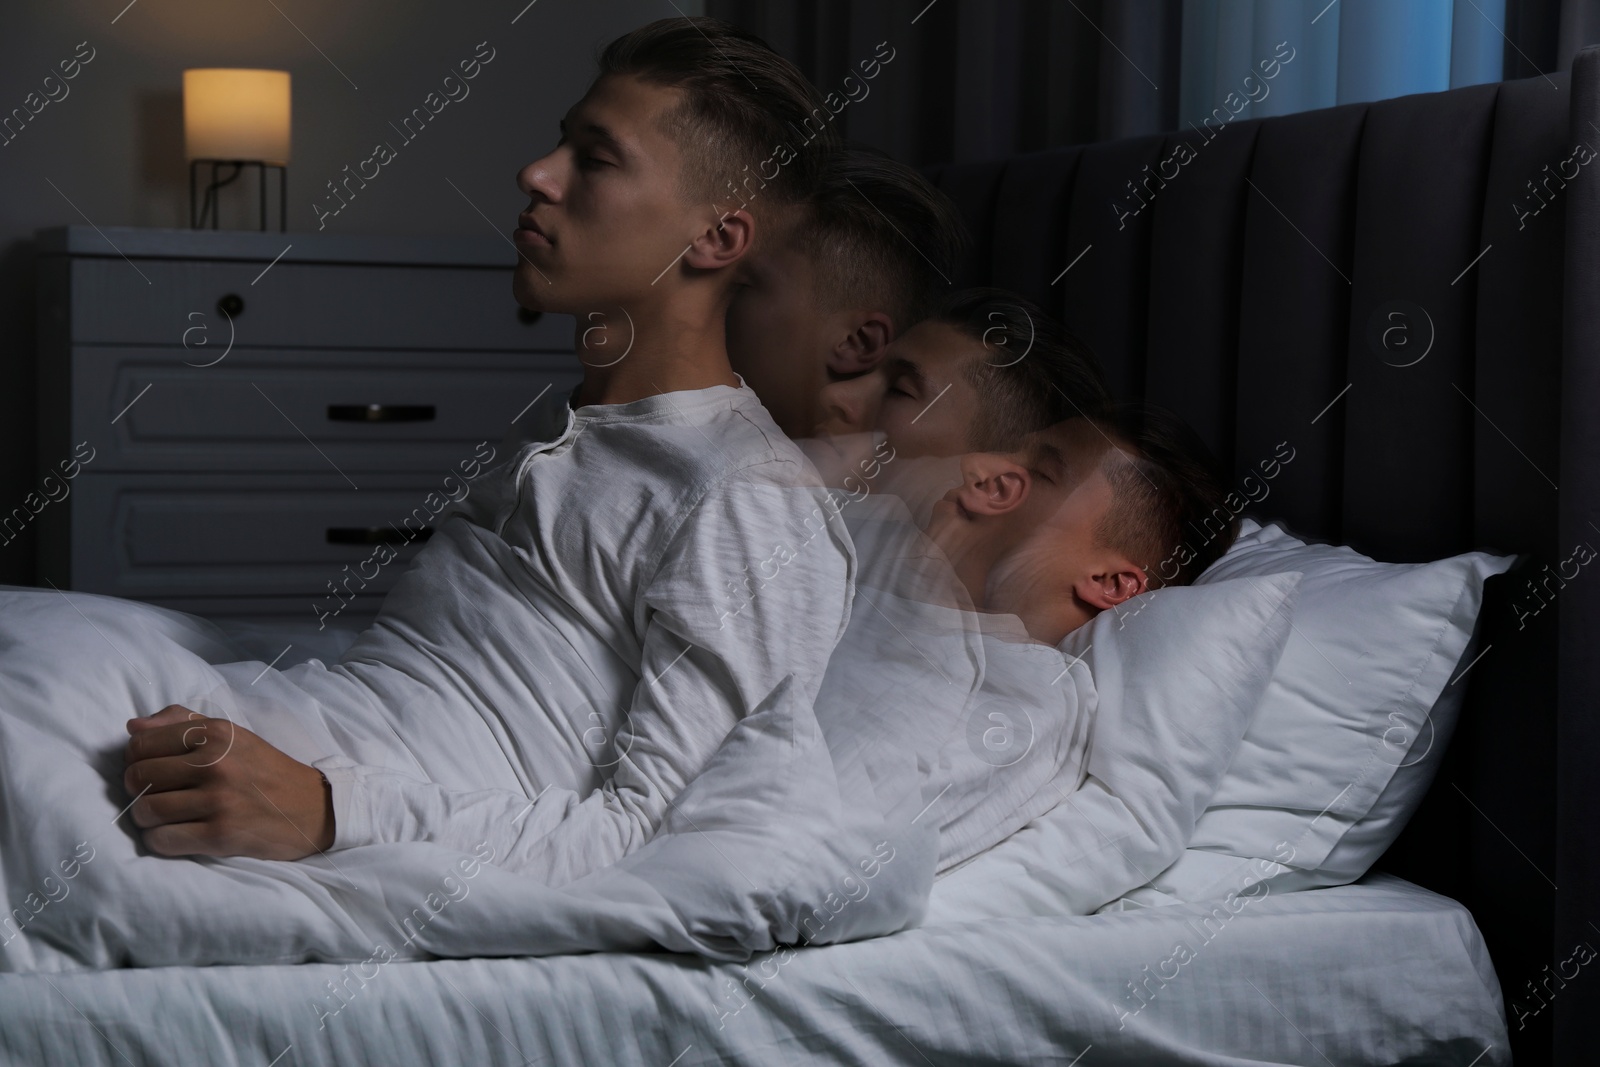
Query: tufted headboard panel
{"type": "Point", "coordinates": [1406, 292]}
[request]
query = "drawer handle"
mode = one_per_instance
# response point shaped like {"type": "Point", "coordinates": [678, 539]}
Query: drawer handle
{"type": "Point", "coordinates": [374, 535]}
{"type": "Point", "coordinates": [231, 305]}
{"type": "Point", "coordinates": [380, 412]}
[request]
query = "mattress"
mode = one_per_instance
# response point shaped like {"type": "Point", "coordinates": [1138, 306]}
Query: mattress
{"type": "Point", "coordinates": [1379, 972]}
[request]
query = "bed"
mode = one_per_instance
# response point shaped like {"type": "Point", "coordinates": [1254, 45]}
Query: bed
{"type": "Point", "coordinates": [1403, 978]}
{"type": "Point", "coordinates": [1254, 294]}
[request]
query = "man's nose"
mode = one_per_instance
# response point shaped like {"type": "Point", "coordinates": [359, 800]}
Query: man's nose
{"type": "Point", "coordinates": [541, 177]}
{"type": "Point", "coordinates": [851, 406]}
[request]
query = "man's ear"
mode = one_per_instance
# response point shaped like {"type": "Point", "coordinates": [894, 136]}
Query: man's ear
{"type": "Point", "coordinates": [992, 484]}
{"type": "Point", "coordinates": [727, 240]}
{"type": "Point", "coordinates": [864, 346]}
{"type": "Point", "coordinates": [1117, 581]}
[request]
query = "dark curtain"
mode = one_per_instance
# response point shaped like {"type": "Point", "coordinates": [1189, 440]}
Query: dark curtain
{"type": "Point", "coordinates": [1543, 35]}
{"type": "Point", "coordinates": [1533, 32]}
{"type": "Point", "coordinates": [1579, 27]}
{"type": "Point", "coordinates": [982, 79]}
{"type": "Point", "coordinates": [979, 79]}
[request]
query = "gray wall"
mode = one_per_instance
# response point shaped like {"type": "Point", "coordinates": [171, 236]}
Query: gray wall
{"type": "Point", "coordinates": [112, 144]}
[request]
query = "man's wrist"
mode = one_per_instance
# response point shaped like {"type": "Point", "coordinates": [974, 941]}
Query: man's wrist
{"type": "Point", "coordinates": [326, 838]}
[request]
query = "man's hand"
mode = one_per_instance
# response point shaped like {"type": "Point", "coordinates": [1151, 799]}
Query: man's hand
{"type": "Point", "coordinates": [206, 787]}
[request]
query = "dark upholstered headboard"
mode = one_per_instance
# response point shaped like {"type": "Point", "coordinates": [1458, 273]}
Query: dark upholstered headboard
{"type": "Point", "coordinates": [1408, 292]}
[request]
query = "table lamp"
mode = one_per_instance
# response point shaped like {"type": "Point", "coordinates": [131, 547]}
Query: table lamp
{"type": "Point", "coordinates": [235, 119]}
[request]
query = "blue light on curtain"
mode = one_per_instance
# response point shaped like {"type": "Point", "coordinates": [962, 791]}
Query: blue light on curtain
{"type": "Point", "coordinates": [1342, 52]}
{"type": "Point", "coordinates": [1477, 42]}
{"type": "Point", "coordinates": [1388, 49]}
{"type": "Point", "coordinates": [1311, 79]}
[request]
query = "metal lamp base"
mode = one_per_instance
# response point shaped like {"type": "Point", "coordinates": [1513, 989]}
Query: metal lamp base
{"type": "Point", "coordinates": [208, 206]}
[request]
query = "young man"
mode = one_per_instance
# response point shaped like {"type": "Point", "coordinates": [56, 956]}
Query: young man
{"type": "Point", "coordinates": [838, 279]}
{"type": "Point", "coordinates": [1081, 518]}
{"type": "Point", "coordinates": [828, 285]}
{"type": "Point", "coordinates": [949, 681]}
{"type": "Point", "coordinates": [583, 592]}
{"type": "Point", "coordinates": [984, 370]}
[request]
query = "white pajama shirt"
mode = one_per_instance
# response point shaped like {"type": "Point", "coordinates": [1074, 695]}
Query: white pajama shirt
{"type": "Point", "coordinates": [601, 610]}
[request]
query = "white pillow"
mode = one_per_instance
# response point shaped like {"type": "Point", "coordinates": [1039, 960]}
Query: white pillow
{"type": "Point", "coordinates": [1353, 724]}
{"type": "Point", "coordinates": [1179, 672]}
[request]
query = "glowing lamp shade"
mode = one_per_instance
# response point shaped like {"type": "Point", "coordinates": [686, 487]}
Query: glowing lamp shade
{"type": "Point", "coordinates": [236, 115]}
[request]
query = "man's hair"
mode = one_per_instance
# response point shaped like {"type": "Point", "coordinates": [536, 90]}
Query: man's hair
{"type": "Point", "coordinates": [879, 234]}
{"type": "Point", "coordinates": [1033, 372]}
{"type": "Point", "coordinates": [741, 101]}
{"type": "Point", "coordinates": [1168, 510]}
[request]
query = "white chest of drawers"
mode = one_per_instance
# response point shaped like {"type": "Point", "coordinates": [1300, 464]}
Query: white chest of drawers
{"type": "Point", "coordinates": [269, 418]}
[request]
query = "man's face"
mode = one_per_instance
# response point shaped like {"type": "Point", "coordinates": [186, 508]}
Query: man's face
{"type": "Point", "coordinates": [1021, 531]}
{"type": "Point", "coordinates": [606, 201]}
{"type": "Point", "coordinates": [918, 397]}
{"type": "Point", "coordinates": [777, 340]}
{"type": "Point", "coordinates": [920, 400]}
{"type": "Point", "coordinates": [785, 343]}
{"type": "Point", "coordinates": [1053, 532]}
{"type": "Point", "coordinates": [1035, 507]}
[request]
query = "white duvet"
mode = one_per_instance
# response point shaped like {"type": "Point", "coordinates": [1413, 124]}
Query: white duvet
{"type": "Point", "coordinates": [936, 735]}
{"type": "Point", "coordinates": [769, 841]}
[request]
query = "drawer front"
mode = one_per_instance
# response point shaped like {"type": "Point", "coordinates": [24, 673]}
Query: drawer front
{"type": "Point", "coordinates": [200, 537]}
{"type": "Point", "coordinates": [155, 301]}
{"type": "Point", "coordinates": [302, 410]}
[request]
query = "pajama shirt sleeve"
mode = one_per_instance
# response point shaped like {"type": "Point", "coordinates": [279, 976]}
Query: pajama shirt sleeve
{"type": "Point", "coordinates": [753, 588]}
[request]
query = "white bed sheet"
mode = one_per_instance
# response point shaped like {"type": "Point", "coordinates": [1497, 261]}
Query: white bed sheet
{"type": "Point", "coordinates": [1381, 972]}
{"type": "Point", "coordinates": [267, 638]}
